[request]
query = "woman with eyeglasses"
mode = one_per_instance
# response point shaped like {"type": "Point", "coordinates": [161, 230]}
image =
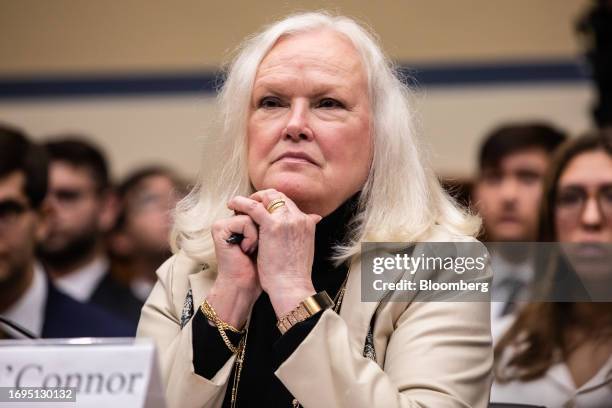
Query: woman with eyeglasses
{"type": "Point", "coordinates": [558, 351]}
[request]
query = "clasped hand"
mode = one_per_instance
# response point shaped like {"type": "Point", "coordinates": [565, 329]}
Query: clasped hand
{"type": "Point", "coordinates": [275, 255]}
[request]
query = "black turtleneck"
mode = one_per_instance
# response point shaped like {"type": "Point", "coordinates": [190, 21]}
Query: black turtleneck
{"type": "Point", "coordinates": [266, 349]}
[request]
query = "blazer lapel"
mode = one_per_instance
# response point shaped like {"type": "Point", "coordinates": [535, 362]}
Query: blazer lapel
{"type": "Point", "coordinates": [200, 284]}
{"type": "Point", "coordinates": [357, 313]}
{"type": "Point", "coordinates": [354, 312]}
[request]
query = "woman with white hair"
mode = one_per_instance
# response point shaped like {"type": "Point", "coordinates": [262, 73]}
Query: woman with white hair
{"type": "Point", "coordinates": [261, 304]}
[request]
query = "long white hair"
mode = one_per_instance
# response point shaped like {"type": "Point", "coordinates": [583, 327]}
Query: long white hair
{"type": "Point", "coordinates": [402, 199]}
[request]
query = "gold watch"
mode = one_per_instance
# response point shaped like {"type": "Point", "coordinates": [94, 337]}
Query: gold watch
{"type": "Point", "coordinates": [307, 307]}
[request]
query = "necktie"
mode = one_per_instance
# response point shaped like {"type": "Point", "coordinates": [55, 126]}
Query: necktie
{"type": "Point", "coordinates": [515, 287]}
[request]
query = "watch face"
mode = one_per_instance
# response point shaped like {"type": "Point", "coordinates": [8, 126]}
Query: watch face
{"type": "Point", "coordinates": [316, 302]}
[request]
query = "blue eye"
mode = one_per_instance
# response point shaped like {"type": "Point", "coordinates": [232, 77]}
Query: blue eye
{"type": "Point", "coordinates": [329, 103]}
{"type": "Point", "coordinates": [269, 102]}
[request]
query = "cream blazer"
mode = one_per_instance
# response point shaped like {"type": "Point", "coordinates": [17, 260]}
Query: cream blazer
{"type": "Point", "coordinates": [428, 354]}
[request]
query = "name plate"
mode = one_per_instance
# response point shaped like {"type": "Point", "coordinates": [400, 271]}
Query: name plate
{"type": "Point", "coordinates": [93, 372]}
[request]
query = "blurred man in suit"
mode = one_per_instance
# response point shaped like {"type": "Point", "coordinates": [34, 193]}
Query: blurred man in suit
{"type": "Point", "coordinates": [27, 298]}
{"type": "Point", "coordinates": [82, 211]}
{"type": "Point", "coordinates": [513, 160]}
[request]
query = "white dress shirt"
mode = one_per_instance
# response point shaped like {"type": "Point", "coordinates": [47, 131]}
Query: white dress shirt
{"type": "Point", "coordinates": [504, 272]}
{"type": "Point", "coordinates": [29, 311]}
{"type": "Point", "coordinates": [556, 389]}
{"type": "Point", "coordinates": [82, 283]}
{"type": "Point", "coordinates": [141, 288]}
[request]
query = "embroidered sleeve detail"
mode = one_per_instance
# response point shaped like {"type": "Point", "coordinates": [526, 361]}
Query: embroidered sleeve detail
{"type": "Point", "coordinates": [187, 312]}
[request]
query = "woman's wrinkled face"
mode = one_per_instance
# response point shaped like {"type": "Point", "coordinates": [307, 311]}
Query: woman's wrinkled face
{"type": "Point", "coordinates": [309, 121]}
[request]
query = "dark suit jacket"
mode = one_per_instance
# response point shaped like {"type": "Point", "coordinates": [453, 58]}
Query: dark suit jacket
{"type": "Point", "coordinates": [117, 299]}
{"type": "Point", "coordinates": [67, 317]}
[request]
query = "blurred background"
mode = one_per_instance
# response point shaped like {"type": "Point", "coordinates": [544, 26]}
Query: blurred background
{"type": "Point", "coordinates": [498, 88]}
{"type": "Point", "coordinates": [138, 77]}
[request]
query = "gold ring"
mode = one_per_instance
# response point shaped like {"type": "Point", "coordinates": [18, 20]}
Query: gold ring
{"type": "Point", "coordinates": [275, 204]}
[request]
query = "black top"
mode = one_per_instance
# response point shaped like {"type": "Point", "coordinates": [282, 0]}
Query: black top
{"type": "Point", "coordinates": [266, 349]}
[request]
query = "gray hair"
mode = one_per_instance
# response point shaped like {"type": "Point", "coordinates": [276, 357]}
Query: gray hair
{"type": "Point", "coordinates": [402, 199]}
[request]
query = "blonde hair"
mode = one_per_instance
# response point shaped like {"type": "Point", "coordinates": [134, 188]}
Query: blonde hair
{"type": "Point", "coordinates": [402, 199]}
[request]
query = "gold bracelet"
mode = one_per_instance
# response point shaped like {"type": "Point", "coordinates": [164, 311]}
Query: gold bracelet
{"type": "Point", "coordinates": [210, 314]}
{"type": "Point", "coordinates": [240, 351]}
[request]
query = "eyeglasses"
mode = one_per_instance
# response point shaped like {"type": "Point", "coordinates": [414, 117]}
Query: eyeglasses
{"type": "Point", "coordinates": [571, 202]}
{"type": "Point", "coordinates": [149, 201]}
{"type": "Point", "coordinates": [10, 212]}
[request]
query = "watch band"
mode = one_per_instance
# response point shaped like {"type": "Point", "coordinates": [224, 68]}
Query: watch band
{"type": "Point", "coordinates": [307, 307]}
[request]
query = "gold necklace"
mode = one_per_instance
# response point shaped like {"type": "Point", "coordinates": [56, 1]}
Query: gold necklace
{"type": "Point", "coordinates": [238, 364]}
{"type": "Point", "coordinates": [340, 295]}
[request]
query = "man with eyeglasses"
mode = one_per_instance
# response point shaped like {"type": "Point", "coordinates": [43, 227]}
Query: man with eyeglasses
{"type": "Point", "coordinates": [82, 212]}
{"type": "Point", "coordinates": [27, 298]}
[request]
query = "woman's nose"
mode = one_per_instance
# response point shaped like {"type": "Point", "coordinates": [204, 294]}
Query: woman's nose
{"type": "Point", "coordinates": [298, 127]}
{"type": "Point", "coordinates": [591, 213]}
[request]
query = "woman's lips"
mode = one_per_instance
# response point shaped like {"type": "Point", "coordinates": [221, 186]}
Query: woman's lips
{"type": "Point", "coordinates": [289, 159]}
{"type": "Point", "coordinates": [296, 157]}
